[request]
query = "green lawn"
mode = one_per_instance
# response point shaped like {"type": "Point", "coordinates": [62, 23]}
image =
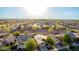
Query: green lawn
{"type": "Point", "coordinates": [5, 48]}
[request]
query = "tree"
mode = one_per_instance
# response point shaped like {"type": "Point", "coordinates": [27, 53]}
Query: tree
{"type": "Point", "coordinates": [21, 28]}
{"type": "Point", "coordinates": [8, 29]}
{"type": "Point", "coordinates": [46, 27]}
{"type": "Point", "coordinates": [50, 41]}
{"type": "Point", "coordinates": [67, 39]}
{"type": "Point", "coordinates": [54, 27]}
{"type": "Point", "coordinates": [2, 27]}
{"type": "Point", "coordinates": [16, 33]}
{"type": "Point", "coordinates": [26, 32]}
{"type": "Point", "coordinates": [36, 26]}
{"type": "Point", "coordinates": [30, 45]}
{"type": "Point", "coordinates": [50, 29]}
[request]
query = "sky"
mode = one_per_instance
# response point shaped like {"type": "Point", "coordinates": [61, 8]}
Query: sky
{"type": "Point", "coordinates": [50, 13]}
{"type": "Point", "coordinates": [63, 13]}
{"type": "Point", "coordinates": [12, 12]}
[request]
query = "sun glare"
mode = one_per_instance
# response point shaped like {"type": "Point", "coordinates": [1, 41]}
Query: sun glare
{"type": "Point", "coordinates": [35, 11]}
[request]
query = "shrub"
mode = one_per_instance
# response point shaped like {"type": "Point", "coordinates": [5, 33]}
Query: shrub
{"type": "Point", "coordinates": [67, 39]}
{"type": "Point", "coordinates": [26, 32]}
{"type": "Point", "coordinates": [46, 27]}
{"type": "Point", "coordinates": [50, 41]}
{"type": "Point", "coordinates": [50, 29]}
{"type": "Point", "coordinates": [16, 33]}
{"type": "Point", "coordinates": [30, 45]}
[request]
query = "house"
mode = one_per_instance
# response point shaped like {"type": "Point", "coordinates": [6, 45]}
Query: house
{"type": "Point", "coordinates": [8, 40]}
{"type": "Point", "coordinates": [3, 33]}
{"type": "Point", "coordinates": [28, 26]}
{"type": "Point", "coordinates": [64, 48]}
{"type": "Point", "coordinates": [58, 31]}
{"type": "Point", "coordinates": [59, 46]}
{"type": "Point", "coordinates": [39, 38]}
{"type": "Point", "coordinates": [23, 38]}
{"type": "Point", "coordinates": [20, 47]}
{"type": "Point", "coordinates": [42, 47]}
{"type": "Point", "coordinates": [15, 27]}
{"type": "Point", "coordinates": [59, 36]}
{"type": "Point", "coordinates": [41, 44]}
{"type": "Point", "coordinates": [36, 26]}
{"type": "Point", "coordinates": [72, 35]}
{"type": "Point", "coordinates": [42, 31]}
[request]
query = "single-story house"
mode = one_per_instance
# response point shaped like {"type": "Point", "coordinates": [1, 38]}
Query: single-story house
{"type": "Point", "coordinates": [23, 38]}
{"type": "Point", "coordinates": [42, 47]}
{"type": "Point", "coordinates": [3, 33]}
{"type": "Point", "coordinates": [20, 47]}
{"type": "Point", "coordinates": [8, 40]}
{"type": "Point", "coordinates": [39, 38]}
{"type": "Point", "coordinates": [58, 31]}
